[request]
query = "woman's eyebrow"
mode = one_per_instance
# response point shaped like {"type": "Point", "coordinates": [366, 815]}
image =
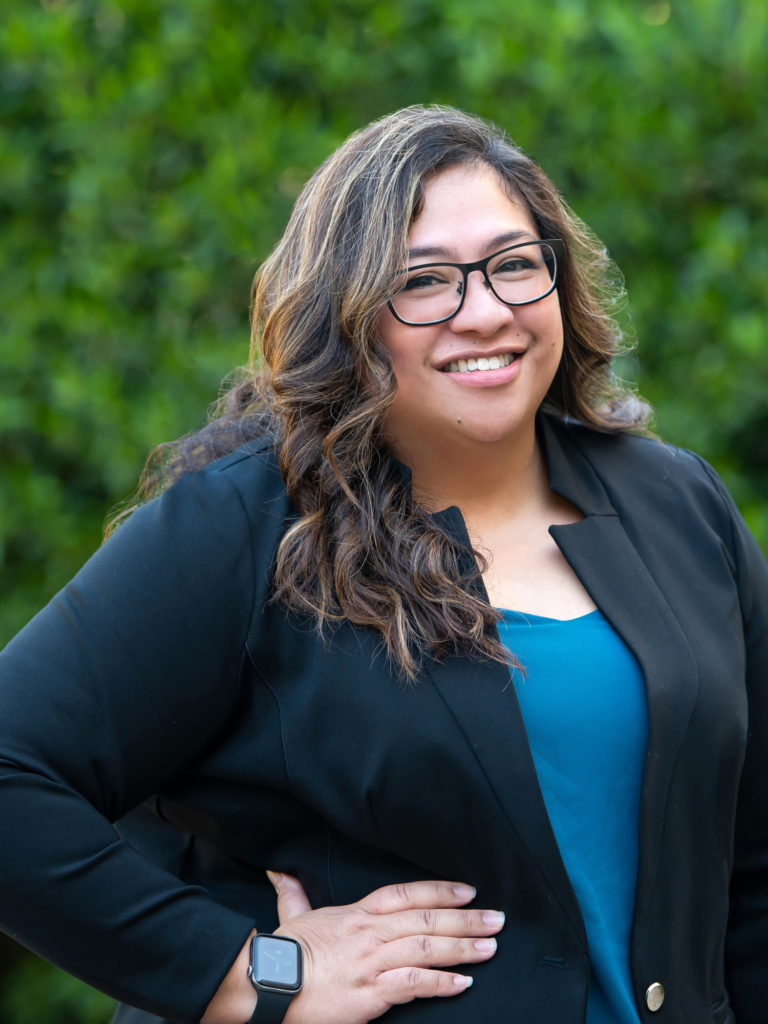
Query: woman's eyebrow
{"type": "Point", "coordinates": [508, 238]}
{"type": "Point", "coordinates": [440, 252]}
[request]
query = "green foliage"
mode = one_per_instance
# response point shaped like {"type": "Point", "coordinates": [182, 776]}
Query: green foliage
{"type": "Point", "coordinates": [150, 151]}
{"type": "Point", "coordinates": [38, 993]}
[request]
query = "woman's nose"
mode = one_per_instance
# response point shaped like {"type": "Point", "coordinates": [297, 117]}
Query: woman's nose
{"type": "Point", "coordinates": [482, 313]}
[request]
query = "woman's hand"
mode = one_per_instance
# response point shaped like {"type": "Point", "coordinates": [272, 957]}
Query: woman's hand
{"type": "Point", "coordinates": [361, 959]}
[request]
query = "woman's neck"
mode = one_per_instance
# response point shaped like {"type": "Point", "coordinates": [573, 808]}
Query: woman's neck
{"type": "Point", "coordinates": [485, 480]}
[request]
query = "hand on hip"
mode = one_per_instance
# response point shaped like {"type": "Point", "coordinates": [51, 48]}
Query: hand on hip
{"type": "Point", "coordinates": [363, 958]}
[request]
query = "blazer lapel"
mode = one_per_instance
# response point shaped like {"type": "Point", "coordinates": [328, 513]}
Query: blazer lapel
{"type": "Point", "coordinates": [483, 702]}
{"type": "Point", "coordinates": [618, 581]}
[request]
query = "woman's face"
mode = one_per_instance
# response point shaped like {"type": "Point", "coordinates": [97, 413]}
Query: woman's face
{"type": "Point", "coordinates": [466, 216]}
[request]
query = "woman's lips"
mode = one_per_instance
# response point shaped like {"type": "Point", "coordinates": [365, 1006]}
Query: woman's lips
{"type": "Point", "coordinates": [487, 378]}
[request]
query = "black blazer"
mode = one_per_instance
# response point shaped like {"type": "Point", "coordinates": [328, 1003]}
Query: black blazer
{"type": "Point", "coordinates": [162, 675]}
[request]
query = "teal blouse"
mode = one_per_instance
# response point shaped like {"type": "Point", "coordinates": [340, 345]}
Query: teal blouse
{"type": "Point", "coordinates": [583, 702]}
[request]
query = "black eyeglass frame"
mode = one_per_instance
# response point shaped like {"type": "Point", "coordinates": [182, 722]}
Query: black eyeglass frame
{"type": "Point", "coordinates": [556, 245]}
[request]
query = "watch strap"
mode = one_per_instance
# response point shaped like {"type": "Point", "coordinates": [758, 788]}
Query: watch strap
{"type": "Point", "coordinates": [271, 1007]}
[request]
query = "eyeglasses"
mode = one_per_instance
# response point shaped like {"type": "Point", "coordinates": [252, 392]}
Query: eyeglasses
{"type": "Point", "coordinates": [432, 293]}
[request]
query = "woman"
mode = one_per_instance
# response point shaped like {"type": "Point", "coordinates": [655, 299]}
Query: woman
{"type": "Point", "coordinates": [424, 631]}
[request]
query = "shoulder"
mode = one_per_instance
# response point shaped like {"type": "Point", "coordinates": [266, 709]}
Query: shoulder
{"type": "Point", "coordinates": [253, 465]}
{"type": "Point", "coordinates": [236, 509]}
{"type": "Point", "coordinates": [240, 487]}
{"type": "Point", "coordinates": [624, 455]}
{"type": "Point", "coordinates": [644, 476]}
{"type": "Point", "coordinates": [220, 512]}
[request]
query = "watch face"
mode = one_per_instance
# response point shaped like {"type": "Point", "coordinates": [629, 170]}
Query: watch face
{"type": "Point", "coordinates": [275, 962]}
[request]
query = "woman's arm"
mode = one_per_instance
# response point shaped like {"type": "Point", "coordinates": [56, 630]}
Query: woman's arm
{"type": "Point", "coordinates": [362, 959]}
{"type": "Point", "coordinates": [117, 685]}
{"type": "Point", "coordinates": [235, 999]}
{"type": "Point", "coordinates": [747, 935]}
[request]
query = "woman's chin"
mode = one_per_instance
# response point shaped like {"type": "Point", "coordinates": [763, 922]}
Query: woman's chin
{"type": "Point", "coordinates": [481, 432]}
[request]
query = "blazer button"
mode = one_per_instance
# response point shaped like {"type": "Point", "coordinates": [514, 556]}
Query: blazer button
{"type": "Point", "coordinates": [654, 997]}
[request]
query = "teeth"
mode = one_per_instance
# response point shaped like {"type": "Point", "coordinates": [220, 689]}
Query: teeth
{"type": "Point", "coordinates": [468, 365]}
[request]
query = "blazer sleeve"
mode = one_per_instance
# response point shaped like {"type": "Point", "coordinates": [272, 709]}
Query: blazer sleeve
{"type": "Point", "coordinates": [747, 935]}
{"type": "Point", "coordinates": [117, 685]}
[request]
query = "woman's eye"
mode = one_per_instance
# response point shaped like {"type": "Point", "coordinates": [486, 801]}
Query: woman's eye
{"type": "Point", "coordinates": [423, 281]}
{"type": "Point", "coordinates": [513, 266]}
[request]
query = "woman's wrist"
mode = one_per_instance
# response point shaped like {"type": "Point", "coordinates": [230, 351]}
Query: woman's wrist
{"type": "Point", "coordinates": [235, 998]}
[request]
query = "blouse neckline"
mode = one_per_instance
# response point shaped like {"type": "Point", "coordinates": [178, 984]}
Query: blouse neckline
{"type": "Point", "coordinates": [508, 613]}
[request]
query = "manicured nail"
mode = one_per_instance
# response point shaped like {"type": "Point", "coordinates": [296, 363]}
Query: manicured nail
{"type": "Point", "coordinates": [462, 981]}
{"type": "Point", "coordinates": [485, 945]}
{"type": "Point", "coordinates": [275, 878]}
{"type": "Point", "coordinates": [465, 892]}
{"type": "Point", "coordinates": [494, 918]}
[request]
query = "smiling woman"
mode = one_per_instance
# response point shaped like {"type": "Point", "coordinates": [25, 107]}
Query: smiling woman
{"type": "Point", "coordinates": [428, 476]}
{"type": "Point", "coordinates": [508, 334]}
{"type": "Point", "coordinates": [419, 185]}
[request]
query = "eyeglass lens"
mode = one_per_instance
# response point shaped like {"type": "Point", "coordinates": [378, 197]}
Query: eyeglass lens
{"type": "Point", "coordinates": [519, 275]}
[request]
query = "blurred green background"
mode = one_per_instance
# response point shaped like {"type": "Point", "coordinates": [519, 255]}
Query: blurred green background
{"type": "Point", "coordinates": [150, 151]}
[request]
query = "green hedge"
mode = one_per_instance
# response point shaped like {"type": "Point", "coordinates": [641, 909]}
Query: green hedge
{"type": "Point", "coordinates": [150, 151]}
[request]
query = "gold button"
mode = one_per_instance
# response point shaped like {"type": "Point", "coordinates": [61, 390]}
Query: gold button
{"type": "Point", "coordinates": [654, 997]}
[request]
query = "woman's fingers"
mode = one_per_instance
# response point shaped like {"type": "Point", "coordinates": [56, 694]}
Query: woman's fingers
{"type": "Point", "coordinates": [379, 952]}
{"type": "Point", "coordinates": [417, 895]}
{"type": "Point", "coordinates": [433, 951]}
{"type": "Point", "coordinates": [291, 898]}
{"type": "Point", "coordinates": [407, 983]}
{"type": "Point", "coordinates": [438, 922]}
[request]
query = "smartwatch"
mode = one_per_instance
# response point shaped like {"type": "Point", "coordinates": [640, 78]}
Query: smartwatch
{"type": "Point", "coordinates": [275, 973]}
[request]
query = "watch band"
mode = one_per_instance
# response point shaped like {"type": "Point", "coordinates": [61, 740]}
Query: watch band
{"type": "Point", "coordinates": [271, 1007]}
{"type": "Point", "coordinates": [272, 1001]}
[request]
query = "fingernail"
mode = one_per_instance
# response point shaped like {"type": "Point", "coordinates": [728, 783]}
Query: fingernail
{"type": "Point", "coordinates": [275, 878]}
{"type": "Point", "coordinates": [485, 945]}
{"type": "Point", "coordinates": [465, 892]}
{"type": "Point", "coordinates": [494, 918]}
{"type": "Point", "coordinates": [462, 981]}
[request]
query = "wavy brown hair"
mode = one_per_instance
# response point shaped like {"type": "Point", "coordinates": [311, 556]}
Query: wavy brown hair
{"type": "Point", "coordinates": [363, 549]}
